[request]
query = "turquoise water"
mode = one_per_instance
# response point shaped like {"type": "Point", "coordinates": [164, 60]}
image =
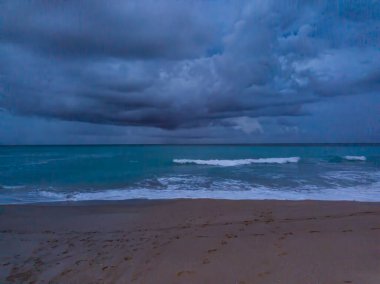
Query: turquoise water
{"type": "Point", "coordinates": [58, 173]}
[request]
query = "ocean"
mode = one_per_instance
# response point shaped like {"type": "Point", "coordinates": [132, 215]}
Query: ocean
{"type": "Point", "coordinates": [30, 174]}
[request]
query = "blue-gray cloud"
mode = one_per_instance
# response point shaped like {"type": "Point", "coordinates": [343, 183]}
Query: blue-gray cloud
{"type": "Point", "coordinates": [255, 67]}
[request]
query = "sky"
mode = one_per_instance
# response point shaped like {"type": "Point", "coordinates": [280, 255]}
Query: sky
{"type": "Point", "coordinates": [284, 71]}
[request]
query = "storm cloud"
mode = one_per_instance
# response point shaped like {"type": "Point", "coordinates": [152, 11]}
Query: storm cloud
{"type": "Point", "coordinates": [172, 69]}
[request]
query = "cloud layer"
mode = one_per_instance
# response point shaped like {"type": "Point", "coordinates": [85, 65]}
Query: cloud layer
{"type": "Point", "coordinates": [257, 68]}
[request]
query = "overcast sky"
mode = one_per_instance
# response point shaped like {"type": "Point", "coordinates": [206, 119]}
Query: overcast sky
{"type": "Point", "coordinates": [189, 71]}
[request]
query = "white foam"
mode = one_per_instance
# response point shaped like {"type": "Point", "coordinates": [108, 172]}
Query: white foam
{"type": "Point", "coordinates": [73, 157]}
{"type": "Point", "coordinates": [355, 158]}
{"type": "Point", "coordinates": [55, 195]}
{"type": "Point", "coordinates": [10, 187]}
{"type": "Point", "coordinates": [239, 162]}
{"type": "Point", "coordinates": [359, 193]}
{"type": "Point", "coordinates": [338, 185]}
{"type": "Point", "coordinates": [193, 187]}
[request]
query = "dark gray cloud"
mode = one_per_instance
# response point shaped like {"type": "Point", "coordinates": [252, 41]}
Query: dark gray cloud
{"type": "Point", "coordinates": [124, 29]}
{"type": "Point", "coordinates": [188, 69]}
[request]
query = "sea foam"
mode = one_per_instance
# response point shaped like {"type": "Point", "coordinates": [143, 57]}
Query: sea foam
{"type": "Point", "coordinates": [239, 162]}
{"type": "Point", "coordinates": [355, 158]}
{"type": "Point", "coordinates": [358, 193]}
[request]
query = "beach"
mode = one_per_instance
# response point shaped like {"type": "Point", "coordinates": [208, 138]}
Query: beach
{"type": "Point", "coordinates": [206, 142]}
{"type": "Point", "coordinates": [191, 241]}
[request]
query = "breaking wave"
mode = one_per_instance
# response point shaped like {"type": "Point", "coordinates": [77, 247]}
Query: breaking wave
{"type": "Point", "coordinates": [356, 193]}
{"type": "Point", "coordinates": [355, 158]}
{"type": "Point", "coordinates": [239, 162]}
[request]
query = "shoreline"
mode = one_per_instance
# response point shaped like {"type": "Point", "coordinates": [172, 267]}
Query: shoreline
{"type": "Point", "coordinates": [191, 241]}
{"type": "Point", "coordinates": [146, 200]}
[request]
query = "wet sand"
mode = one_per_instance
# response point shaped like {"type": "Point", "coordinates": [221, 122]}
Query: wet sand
{"type": "Point", "coordinates": [191, 241]}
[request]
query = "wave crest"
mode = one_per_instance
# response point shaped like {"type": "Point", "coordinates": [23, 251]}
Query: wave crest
{"type": "Point", "coordinates": [239, 162]}
{"type": "Point", "coordinates": [354, 193]}
{"type": "Point", "coordinates": [355, 158]}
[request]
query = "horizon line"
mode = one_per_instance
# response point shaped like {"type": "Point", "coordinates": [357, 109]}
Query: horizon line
{"type": "Point", "coordinates": [199, 144]}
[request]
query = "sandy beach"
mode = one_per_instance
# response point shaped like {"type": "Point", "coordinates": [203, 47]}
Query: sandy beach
{"type": "Point", "coordinates": [191, 241]}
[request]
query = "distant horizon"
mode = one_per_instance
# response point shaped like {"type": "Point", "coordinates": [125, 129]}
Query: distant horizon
{"type": "Point", "coordinates": [205, 144]}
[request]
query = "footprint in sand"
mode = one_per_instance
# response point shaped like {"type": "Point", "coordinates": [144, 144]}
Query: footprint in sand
{"type": "Point", "coordinates": [79, 261]}
{"type": "Point", "coordinates": [247, 222]}
{"type": "Point", "coordinates": [206, 261]}
{"type": "Point", "coordinates": [263, 274]}
{"type": "Point", "coordinates": [180, 273]}
{"type": "Point", "coordinates": [230, 236]}
{"type": "Point", "coordinates": [66, 272]}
